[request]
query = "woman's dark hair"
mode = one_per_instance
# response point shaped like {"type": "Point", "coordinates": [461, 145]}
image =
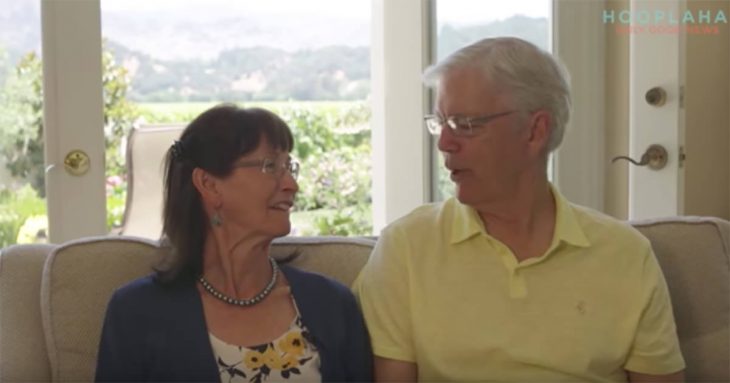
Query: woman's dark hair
{"type": "Point", "coordinates": [212, 142]}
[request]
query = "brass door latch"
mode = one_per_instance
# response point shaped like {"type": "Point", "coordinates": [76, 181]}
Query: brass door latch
{"type": "Point", "coordinates": [77, 162]}
{"type": "Point", "coordinates": [655, 157]}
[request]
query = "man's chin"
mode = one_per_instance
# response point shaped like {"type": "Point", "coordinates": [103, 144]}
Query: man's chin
{"type": "Point", "coordinates": [465, 196]}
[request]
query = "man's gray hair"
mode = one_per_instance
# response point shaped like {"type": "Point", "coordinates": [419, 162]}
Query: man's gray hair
{"type": "Point", "coordinates": [534, 78]}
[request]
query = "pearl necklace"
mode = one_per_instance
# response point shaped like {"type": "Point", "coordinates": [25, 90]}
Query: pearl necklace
{"type": "Point", "coordinates": [244, 302]}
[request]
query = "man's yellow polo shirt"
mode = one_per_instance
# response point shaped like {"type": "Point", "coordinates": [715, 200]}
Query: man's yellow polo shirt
{"type": "Point", "coordinates": [441, 292]}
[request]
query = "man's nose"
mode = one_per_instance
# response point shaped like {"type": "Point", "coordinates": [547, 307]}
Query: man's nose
{"type": "Point", "coordinates": [447, 142]}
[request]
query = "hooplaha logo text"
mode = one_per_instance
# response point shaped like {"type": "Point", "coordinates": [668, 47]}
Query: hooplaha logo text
{"type": "Point", "coordinates": [660, 21]}
{"type": "Point", "coordinates": [610, 16]}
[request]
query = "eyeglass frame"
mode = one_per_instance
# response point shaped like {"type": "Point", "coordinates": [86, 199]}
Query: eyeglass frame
{"type": "Point", "coordinates": [434, 122]}
{"type": "Point", "coordinates": [268, 166]}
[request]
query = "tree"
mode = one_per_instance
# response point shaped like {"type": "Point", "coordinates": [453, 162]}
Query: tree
{"type": "Point", "coordinates": [119, 113]}
{"type": "Point", "coordinates": [21, 123]}
{"type": "Point", "coordinates": [4, 66]}
{"type": "Point", "coordinates": [21, 119]}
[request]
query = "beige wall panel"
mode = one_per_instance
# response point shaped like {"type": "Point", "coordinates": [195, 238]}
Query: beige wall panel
{"type": "Point", "coordinates": [616, 200]}
{"type": "Point", "coordinates": [707, 105]}
{"type": "Point", "coordinates": [707, 126]}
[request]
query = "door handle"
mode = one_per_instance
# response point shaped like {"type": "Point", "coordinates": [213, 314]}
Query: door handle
{"type": "Point", "coordinates": [655, 157]}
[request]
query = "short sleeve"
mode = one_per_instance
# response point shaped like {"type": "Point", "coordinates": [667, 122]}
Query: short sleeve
{"type": "Point", "coordinates": [655, 349]}
{"type": "Point", "coordinates": [383, 291]}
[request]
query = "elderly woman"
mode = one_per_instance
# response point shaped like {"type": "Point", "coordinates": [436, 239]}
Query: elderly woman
{"type": "Point", "coordinates": [219, 308]}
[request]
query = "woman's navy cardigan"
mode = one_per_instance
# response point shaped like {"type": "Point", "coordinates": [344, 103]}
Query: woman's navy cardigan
{"type": "Point", "coordinates": [154, 332]}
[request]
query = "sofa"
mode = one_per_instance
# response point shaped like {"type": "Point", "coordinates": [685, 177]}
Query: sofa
{"type": "Point", "coordinates": [53, 297]}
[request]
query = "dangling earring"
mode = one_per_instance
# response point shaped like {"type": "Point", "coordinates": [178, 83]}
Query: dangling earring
{"type": "Point", "coordinates": [215, 220]}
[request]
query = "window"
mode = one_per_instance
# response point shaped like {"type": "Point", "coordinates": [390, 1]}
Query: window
{"type": "Point", "coordinates": [463, 22]}
{"type": "Point", "coordinates": [402, 152]}
{"type": "Point", "coordinates": [204, 52]}
{"type": "Point", "coordinates": [22, 176]}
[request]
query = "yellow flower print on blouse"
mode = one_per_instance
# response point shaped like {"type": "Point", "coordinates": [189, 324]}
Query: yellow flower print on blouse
{"type": "Point", "coordinates": [272, 358]}
{"type": "Point", "coordinates": [292, 343]}
{"type": "Point", "coordinates": [253, 360]}
{"type": "Point", "coordinates": [292, 357]}
{"type": "Point", "coordinates": [289, 361]}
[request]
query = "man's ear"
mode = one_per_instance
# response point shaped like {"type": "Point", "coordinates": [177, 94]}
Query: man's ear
{"type": "Point", "coordinates": [207, 186]}
{"type": "Point", "coordinates": [540, 130]}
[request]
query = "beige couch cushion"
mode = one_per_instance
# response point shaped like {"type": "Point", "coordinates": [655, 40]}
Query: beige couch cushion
{"type": "Point", "coordinates": [80, 277]}
{"type": "Point", "coordinates": [23, 352]}
{"type": "Point", "coordinates": [325, 255]}
{"type": "Point", "coordinates": [693, 254]}
{"type": "Point", "coordinates": [78, 281]}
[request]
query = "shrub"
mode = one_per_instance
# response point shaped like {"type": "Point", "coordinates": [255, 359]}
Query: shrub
{"type": "Point", "coordinates": [15, 209]}
{"type": "Point", "coordinates": [334, 150]}
{"type": "Point", "coordinates": [353, 220]}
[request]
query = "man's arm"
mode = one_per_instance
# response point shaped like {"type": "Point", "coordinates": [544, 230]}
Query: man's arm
{"type": "Point", "coordinates": [391, 370]}
{"type": "Point", "coordinates": [656, 345]}
{"type": "Point", "coordinates": [383, 292]}
{"type": "Point", "coordinates": [637, 377]}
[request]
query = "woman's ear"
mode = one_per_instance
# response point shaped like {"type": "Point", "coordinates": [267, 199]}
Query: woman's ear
{"type": "Point", "coordinates": [207, 186]}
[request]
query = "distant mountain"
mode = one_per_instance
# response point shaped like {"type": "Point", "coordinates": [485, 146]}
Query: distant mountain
{"type": "Point", "coordinates": [20, 30]}
{"type": "Point", "coordinates": [194, 29]}
{"type": "Point", "coordinates": [194, 36]}
{"type": "Point", "coordinates": [192, 55]}
{"type": "Point", "coordinates": [531, 29]}
{"type": "Point", "coordinates": [259, 73]}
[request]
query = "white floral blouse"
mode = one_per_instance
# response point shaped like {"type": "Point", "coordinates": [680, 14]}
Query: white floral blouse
{"type": "Point", "coordinates": [290, 358]}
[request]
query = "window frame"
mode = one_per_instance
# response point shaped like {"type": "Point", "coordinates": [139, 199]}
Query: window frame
{"type": "Point", "coordinates": [401, 47]}
{"type": "Point", "coordinates": [400, 100]}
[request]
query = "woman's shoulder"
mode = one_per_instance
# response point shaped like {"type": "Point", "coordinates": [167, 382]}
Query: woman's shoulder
{"type": "Point", "coordinates": [327, 306]}
{"type": "Point", "coordinates": [142, 286]}
{"type": "Point", "coordinates": [308, 282]}
{"type": "Point", "coordinates": [146, 290]}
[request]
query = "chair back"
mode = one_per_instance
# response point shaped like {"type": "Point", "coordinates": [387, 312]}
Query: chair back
{"type": "Point", "coordinates": [146, 149]}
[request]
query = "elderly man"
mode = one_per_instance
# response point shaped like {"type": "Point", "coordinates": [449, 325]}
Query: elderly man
{"type": "Point", "coordinates": [508, 281]}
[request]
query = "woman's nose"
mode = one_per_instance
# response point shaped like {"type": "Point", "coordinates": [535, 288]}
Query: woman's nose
{"type": "Point", "coordinates": [288, 182]}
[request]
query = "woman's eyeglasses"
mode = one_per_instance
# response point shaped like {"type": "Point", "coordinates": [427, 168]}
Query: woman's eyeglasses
{"type": "Point", "coordinates": [276, 167]}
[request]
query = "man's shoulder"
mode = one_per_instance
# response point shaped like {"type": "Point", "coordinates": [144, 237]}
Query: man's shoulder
{"type": "Point", "coordinates": [430, 215]}
{"type": "Point", "coordinates": [597, 225]}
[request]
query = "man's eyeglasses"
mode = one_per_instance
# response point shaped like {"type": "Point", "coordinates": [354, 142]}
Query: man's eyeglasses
{"type": "Point", "coordinates": [460, 126]}
{"type": "Point", "coordinates": [276, 167]}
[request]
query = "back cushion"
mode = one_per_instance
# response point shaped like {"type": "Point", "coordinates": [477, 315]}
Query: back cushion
{"type": "Point", "coordinates": [22, 348]}
{"type": "Point", "coordinates": [78, 281]}
{"type": "Point", "coordinates": [81, 276]}
{"type": "Point", "coordinates": [337, 257]}
{"type": "Point", "coordinates": [693, 254]}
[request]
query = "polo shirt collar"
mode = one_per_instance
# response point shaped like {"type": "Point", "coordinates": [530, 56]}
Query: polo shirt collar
{"type": "Point", "coordinates": [567, 227]}
{"type": "Point", "coordinates": [466, 222]}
